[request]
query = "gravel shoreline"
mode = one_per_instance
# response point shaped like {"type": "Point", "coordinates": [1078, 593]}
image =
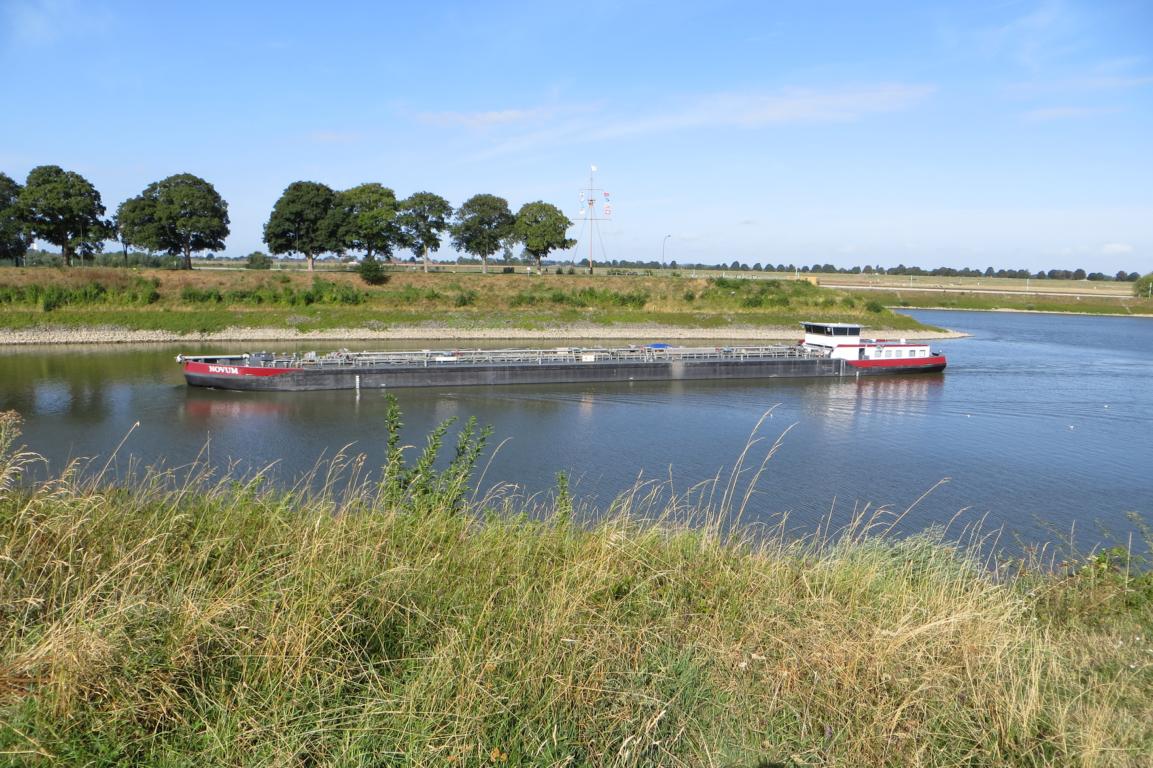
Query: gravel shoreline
{"type": "Point", "coordinates": [113, 335]}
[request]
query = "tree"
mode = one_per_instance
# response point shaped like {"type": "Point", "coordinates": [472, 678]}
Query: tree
{"type": "Point", "coordinates": [119, 233]}
{"type": "Point", "coordinates": [63, 208]}
{"type": "Point", "coordinates": [420, 221]}
{"type": "Point", "coordinates": [482, 224]}
{"type": "Point", "coordinates": [369, 219]}
{"type": "Point", "coordinates": [372, 272]}
{"type": "Point", "coordinates": [257, 260]}
{"type": "Point", "coordinates": [178, 215]}
{"type": "Point", "coordinates": [1143, 286]}
{"type": "Point", "coordinates": [13, 244]}
{"type": "Point", "coordinates": [541, 228]}
{"type": "Point", "coordinates": [305, 220]}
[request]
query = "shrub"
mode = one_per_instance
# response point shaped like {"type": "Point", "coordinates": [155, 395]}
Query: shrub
{"type": "Point", "coordinates": [193, 295]}
{"type": "Point", "coordinates": [372, 272]}
{"type": "Point", "coordinates": [1143, 286]}
{"type": "Point", "coordinates": [328, 292]}
{"type": "Point", "coordinates": [875, 306]}
{"type": "Point", "coordinates": [258, 260]}
{"type": "Point", "coordinates": [142, 291]}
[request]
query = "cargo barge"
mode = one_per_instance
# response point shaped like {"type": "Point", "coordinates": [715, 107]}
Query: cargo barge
{"type": "Point", "coordinates": [827, 350]}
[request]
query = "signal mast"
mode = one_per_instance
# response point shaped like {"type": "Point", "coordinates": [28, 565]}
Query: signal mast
{"type": "Point", "coordinates": [589, 198]}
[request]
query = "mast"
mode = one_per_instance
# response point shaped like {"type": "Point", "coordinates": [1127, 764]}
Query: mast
{"type": "Point", "coordinates": [589, 198]}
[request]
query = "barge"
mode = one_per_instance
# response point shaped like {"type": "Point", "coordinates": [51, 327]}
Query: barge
{"type": "Point", "coordinates": [827, 350]}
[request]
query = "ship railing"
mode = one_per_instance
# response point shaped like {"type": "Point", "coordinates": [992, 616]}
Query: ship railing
{"type": "Point", "coordinates": [429, 358]}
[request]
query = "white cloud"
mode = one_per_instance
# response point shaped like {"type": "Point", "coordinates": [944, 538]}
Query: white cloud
{"type": "Point", "coordinates": [1117, 249]}
{"type": "Point", "coordinates": [1046, 32]}
{"type": "Point", "coordinates": [1047, 114]}
{"type": "Point", "coordinates": [1092, 83]}
{"type": "Point", "coordinates": [334, 137]}
{"type": "Point", "coordinates": [715, 110]}
{"type": "Point", "coordinates": [491, 118]}
{"type": "Point", "coordinates": [793, 105]}
{"type": "Point", "coordinates": [41, 22]}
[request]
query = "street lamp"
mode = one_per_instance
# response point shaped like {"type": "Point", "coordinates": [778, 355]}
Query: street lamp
{"type": "Point", "coordinates": [663, 243]}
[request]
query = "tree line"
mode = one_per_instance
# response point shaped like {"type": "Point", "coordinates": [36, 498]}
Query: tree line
{"type": "Point", "coordinates": [902, 270]}
{"type": "Point", "coordinates": [184, 214]}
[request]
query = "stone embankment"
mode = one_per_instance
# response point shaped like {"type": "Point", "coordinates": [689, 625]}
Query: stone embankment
{"type": "Point", "coordinates": [115, 335]}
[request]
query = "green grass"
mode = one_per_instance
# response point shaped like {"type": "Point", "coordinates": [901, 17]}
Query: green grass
{"type": "Point", "coordinates": [1104, 305]}
{"type": "Point", "coordinates": [221, 620]}
{"type": "Point", "coordinates": [202, 301]}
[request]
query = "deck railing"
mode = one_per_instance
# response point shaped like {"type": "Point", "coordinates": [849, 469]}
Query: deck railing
{"type": "Point", "coordinates": [518, 357]}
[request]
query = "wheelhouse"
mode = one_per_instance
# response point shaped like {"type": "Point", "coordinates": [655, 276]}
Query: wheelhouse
{"type": "Point", "coordinates": [831, 335]}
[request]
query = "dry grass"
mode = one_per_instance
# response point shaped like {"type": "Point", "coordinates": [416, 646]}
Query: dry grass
{"type": "Point", "coordinates": [219, 621]}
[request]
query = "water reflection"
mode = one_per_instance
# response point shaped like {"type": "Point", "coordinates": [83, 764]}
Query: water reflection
{"type": "Point", "coordinates": [203, 406]}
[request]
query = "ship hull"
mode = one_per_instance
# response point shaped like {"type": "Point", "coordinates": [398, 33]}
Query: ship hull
{"type": "Point", "coordinates": [238, 377]}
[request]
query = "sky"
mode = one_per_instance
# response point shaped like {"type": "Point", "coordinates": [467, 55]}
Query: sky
{"type": "Point", "coordinates": [965, 134]}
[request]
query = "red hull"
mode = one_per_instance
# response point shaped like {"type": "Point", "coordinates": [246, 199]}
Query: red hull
{"type": "Point", "coordinates": [917, 365]}
{"type": "Point", "coordinates": [224, 369]}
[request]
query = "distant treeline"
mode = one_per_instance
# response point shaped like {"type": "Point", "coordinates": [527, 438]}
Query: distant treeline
{"type": "Point", "coordinates": [184, 215]}
{"type": "Point", "coordinates": [868, 269]}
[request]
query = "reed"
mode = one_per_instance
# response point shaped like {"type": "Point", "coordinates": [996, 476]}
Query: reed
{"type": "Point", "coordinates": [190, 617]}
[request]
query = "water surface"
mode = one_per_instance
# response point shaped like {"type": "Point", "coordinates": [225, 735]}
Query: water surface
{"type": "Point", "coordinates": [1041, 424]}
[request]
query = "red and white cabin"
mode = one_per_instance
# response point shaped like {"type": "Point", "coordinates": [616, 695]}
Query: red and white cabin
{"type": "Point", "coordinates": [843, 342]}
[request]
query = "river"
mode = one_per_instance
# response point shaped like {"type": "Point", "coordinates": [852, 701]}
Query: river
{"type": "Point", "coordinates": [1041, 426]}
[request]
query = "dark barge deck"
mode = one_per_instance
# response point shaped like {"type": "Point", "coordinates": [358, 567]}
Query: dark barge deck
{"type": "Point", "coordinates": [560, 365]}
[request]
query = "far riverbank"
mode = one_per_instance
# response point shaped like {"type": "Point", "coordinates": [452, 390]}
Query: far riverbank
{"type": "Point", "coordinates": [626, 332]}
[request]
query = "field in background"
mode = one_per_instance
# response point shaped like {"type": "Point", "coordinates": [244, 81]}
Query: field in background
{"type": "Point", "coordinates": [720, 303]}
{"type": "Point", "coordinates": [207, 300]}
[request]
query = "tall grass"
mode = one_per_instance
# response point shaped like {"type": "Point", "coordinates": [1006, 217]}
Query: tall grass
{"type": "Point", "coordinates": [195, 619]}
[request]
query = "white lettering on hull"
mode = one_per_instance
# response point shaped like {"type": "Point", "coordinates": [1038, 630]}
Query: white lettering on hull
{"type": "Point", "coordinates": [224, 369]}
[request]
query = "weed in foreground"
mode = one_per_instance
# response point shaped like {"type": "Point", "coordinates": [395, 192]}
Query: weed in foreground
{"type": "Point", "coordinates": [222, 620]}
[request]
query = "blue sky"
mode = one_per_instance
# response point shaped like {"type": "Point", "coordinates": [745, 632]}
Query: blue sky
{"type": "Point", "coordinates": [1006, 134]}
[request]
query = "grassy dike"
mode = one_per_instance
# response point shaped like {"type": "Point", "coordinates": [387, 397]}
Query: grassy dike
{"type": "Point", "coordinates": [206, 302]}
{"type": "Point", "coordinates": [347, 622]}
{"type": "Point", "coordinates": [1023, 302]}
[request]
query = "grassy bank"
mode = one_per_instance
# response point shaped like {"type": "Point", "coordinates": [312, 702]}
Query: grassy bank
{"type": "Point", "coordinates": [206, 302]}
{"type": "Point", "coordinates": [220, 621]}
{"type": "Point", "coordinates": [1024, 302]}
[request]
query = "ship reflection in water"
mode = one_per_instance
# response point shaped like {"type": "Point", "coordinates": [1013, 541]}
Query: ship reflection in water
{"type": "Point", "coordinates": [850, 403]}
{"type": "Point", "coordinates": [210, 405]}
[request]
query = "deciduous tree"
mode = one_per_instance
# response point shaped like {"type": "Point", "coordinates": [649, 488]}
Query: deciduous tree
{"type": "Point", "coordinates": [180, 215]}
{"type": "Point", "coordinates": [482, 224]}
{"type": "Point", "coordinates": [370, 219]}
{"type": "Point", "coordinates": [63, 208]}
{"type": "Point", "coordinates": [306, 220]}
{"type": "Point", "coordinates": [13, 243]}
{"type": "Point", "coordinates": [421, 219]}
{"type": "Point", "coordinates": [1143, 286]}
{"type": "Point", "coordinates": [541, 228]}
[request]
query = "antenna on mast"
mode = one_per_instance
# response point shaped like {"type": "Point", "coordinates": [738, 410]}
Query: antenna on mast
{"type": "Point", "coordinates": [589, 198]}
